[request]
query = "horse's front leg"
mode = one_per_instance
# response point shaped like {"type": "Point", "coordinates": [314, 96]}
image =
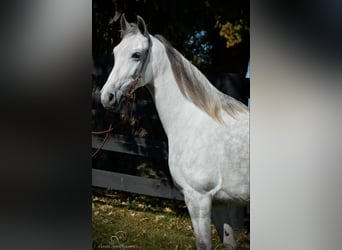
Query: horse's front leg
{"type": "Point", "coordinates": [199, 207]}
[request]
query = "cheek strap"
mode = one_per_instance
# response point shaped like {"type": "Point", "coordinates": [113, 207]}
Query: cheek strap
{"type": "Point", "coordinates": [137, 76]}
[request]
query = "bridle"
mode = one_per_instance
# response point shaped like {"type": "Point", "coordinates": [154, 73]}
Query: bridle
{"type": "Point", "coordinates": [138, 75]}
{"type": "Point", "coordinates": [130, 95]}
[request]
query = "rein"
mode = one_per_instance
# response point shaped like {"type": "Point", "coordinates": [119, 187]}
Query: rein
{"type": "Point", "coordinates": [130, 96]}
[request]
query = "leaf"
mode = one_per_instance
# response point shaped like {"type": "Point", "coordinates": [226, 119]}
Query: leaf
{"type": "Point", "coordinates": [167, 210]}
{"type": "Point", "coordinates": [158, 217]}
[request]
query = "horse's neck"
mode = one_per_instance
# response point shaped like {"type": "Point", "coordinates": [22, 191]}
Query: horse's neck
{"type": "Point", "coordinates": [173, 108]}
{"type": "Point", "coordinates": [170, 103]}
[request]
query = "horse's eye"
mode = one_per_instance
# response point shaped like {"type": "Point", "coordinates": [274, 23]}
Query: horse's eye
{"type": "Point", "coordinates": [136, 56]}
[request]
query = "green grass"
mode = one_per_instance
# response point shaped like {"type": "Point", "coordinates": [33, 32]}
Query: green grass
{"type": "Point", "coordinates": [126, 221]}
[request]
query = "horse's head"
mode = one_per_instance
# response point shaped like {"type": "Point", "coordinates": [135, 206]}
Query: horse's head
{"type": "Point", "coordinates": [132, 68]}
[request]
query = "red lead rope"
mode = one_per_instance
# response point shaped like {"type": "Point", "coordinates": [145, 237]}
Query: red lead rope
{"type": "Point", "coordinates": [129, 97]}
{"type": "Point", "coordinates": [104, 140]}
{"type": "Point", "coordinates": [131, 94]}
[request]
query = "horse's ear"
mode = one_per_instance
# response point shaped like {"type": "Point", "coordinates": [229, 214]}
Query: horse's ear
{"type": "Point", "coordinates": [142, 26]}
{"type": "Point", "coordinates": [123, 23]}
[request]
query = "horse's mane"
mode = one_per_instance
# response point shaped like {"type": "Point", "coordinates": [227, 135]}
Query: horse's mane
{"type": "Point", "coordinates": [196, 87]}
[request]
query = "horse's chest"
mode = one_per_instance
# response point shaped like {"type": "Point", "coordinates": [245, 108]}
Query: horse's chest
{"type": "Point", "coordinates": [196, 163]}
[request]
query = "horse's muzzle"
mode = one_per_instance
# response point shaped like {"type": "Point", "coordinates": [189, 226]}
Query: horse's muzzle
{"type": "Point", "coordinates": [107, 99]}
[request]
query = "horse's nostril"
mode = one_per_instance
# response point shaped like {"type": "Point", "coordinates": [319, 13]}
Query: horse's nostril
{"type": "Point", "coordinates": [110, 97]}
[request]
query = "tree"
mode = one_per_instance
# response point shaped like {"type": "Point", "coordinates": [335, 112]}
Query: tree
{"type": "Point", "coordinates": [213, 34]}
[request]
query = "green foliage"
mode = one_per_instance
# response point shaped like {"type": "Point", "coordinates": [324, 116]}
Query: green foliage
{"type": "Point", "coordinates": [178, 21]}
{"type": "Point", "coordinates": [232, 32]}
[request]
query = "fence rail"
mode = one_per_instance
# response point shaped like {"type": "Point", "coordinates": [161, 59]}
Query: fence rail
{"type": "Point", "coordinates": [132, 145]}
{"type": "Point", "coordinates": [135, 184]}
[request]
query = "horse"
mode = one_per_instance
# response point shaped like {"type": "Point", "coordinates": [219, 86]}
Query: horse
{"type": "Point", "coordinates": [208, 131]}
